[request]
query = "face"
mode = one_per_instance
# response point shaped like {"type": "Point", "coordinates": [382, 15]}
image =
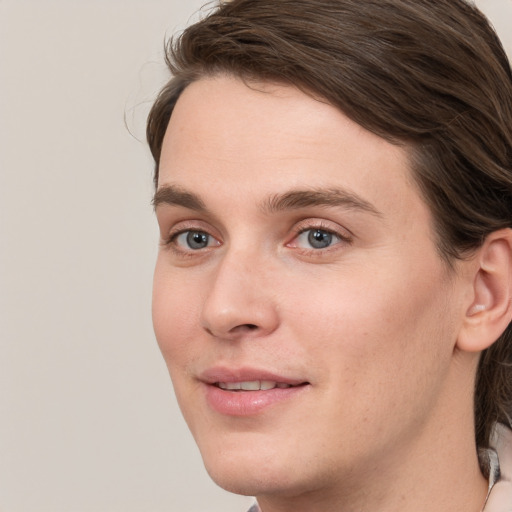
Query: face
{"type": "Point", "coordinates": [299, 300]}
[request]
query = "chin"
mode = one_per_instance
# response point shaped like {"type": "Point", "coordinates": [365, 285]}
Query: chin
{"type": "Point", "coordinates": [250, 470]}
{"type": "Point", "coordinates": [255, 481]}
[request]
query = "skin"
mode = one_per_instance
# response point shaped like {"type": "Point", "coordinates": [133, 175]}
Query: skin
{"type": "Point", "coordinates": [370, 321]}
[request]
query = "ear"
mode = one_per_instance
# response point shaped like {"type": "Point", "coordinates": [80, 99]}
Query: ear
{"type": "Point", "coordinates": [490, 310]}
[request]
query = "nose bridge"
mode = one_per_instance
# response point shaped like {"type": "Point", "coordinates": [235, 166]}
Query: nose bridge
{"type": "Point", "coordinates": [239, 300]}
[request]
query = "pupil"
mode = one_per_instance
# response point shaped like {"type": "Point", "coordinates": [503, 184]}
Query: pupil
{"type": "Point", "coordinates": [319, 239]}
{"type": "Point", "coordinates": [197, 240]}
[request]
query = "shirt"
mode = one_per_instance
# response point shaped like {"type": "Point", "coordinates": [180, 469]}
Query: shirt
{"type": "Point", "coordinates": [498, 461]}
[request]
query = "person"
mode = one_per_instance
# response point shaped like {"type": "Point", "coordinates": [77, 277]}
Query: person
{"type": "Point", "coordinates": [333, 289]}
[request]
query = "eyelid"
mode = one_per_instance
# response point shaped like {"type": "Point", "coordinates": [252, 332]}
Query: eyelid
{"type": "Point", "coordinates": [189, 225]}
{"type": "Point", "coordinates": [184, 246]}
{"type": "Point", "coordinates": [324, 225]}
{"type": "Point", "coordinates": [342, 233]}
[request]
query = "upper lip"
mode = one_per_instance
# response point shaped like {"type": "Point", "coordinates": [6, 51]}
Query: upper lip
{"type": "Point", "coordinates": [217, 374]}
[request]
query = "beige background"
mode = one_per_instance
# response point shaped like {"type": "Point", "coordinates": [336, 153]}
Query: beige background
{"type": "Point", "coordinates": [87, 418]}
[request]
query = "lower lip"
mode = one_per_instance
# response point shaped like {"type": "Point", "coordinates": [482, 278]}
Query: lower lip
{"type": "Point", "coordinates": [248, 403]}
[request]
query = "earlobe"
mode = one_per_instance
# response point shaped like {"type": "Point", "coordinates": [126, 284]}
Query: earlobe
{"type": "Point", "coordinates": [490, 311]}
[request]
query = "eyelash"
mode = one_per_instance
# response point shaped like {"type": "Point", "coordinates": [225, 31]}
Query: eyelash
{"type": "Point", "coordinates": [299, 229]}
{"type": "Point", "coordinates": [170, 241]}
{"type": "Point", "coordinates": [319, 225]}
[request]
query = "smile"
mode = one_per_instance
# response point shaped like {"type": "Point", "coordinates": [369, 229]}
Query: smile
{"type": "Point", "coordinates": [252, 385]}
{"type": "Point", "coordinates": [251, 397]}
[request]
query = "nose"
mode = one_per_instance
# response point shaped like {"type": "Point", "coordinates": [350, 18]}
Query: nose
{"type": "Point", "coordinates": [240, 301]}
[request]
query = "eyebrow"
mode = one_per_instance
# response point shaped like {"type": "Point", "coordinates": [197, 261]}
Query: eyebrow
{"type": "Point", "coordinates": [292, 200]}
{"type": "Point", "coordinates": [176, 196]}
{"type": "Point", "coordinates": [296, 199]}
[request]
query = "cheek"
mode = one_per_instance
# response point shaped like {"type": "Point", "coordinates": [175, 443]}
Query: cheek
{"type": "Point", "coordinates": [368, 329]}
{"type": "Point", "coordinates": [378, 353]}
{"type": "Point", "coordinates": [175, 314]}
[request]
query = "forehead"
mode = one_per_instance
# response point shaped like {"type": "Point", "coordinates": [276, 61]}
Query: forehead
{"type": "Point", "coordinates": [241, 140]}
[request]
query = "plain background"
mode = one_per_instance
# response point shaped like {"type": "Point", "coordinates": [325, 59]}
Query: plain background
{"type": "Point", "coordinates": [88, 422]}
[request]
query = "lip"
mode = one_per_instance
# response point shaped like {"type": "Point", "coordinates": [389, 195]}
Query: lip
{"type": "Point", "coordinates": [248, 403]}
{"type": "Point", "coordinates": [224, 374]}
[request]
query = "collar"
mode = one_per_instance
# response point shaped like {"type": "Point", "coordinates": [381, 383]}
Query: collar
{"type": "Point", "coordinates": [499, 460]}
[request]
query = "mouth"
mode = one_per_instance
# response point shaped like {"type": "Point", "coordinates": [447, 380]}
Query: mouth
{"type": "Point", "coordinates": [255, 385]}
{"type": "Point", "coordinates": [250, 392]}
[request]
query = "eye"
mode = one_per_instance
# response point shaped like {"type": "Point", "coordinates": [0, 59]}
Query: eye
{"type": "Point", "coordinates": [316, 238]}
{"type": "Point", "coordinates": [193, 240]}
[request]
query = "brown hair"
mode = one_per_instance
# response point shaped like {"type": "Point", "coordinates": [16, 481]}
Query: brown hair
{"type": "Point", "coordinates": [427, 74]}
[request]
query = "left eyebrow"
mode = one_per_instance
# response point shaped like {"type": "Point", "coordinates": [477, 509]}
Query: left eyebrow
{"type": "Point", "coordinates": [296, 199]}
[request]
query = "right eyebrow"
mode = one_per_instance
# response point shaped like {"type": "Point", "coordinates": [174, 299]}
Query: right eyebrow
{"type": "Point", "coordinates": [176, 196]}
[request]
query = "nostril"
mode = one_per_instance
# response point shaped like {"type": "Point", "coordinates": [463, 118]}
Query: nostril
{"type": "Point", "coordinates": [238, 330]}
{"type": "Point", "coordinates": [244, 328]}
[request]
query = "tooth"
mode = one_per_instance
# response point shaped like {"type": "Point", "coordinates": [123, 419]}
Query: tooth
{"type": "Point", "coordinates": [253, 385]}
{"type": "Point", "coordinates": [231, 386]}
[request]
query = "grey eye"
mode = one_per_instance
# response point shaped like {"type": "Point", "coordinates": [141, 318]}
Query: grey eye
{"type": "Point", "coordinates": [319, 239]}
{"type": "Point", "coordinates": [197, 239]}
{"type": "Point", "coordinates": [194, 240]}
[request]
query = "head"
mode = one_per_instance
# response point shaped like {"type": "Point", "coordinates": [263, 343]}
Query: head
{"type": "Point", "coordinates": [428, 77]}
